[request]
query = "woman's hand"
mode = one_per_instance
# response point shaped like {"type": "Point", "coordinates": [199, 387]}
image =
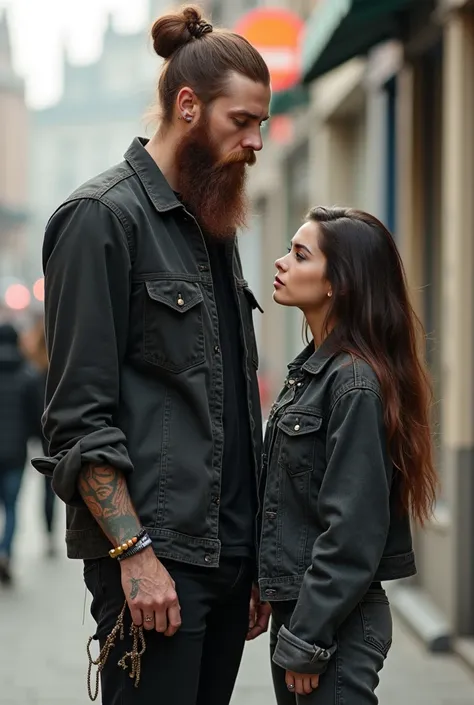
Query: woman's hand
{"type": "Point", "coordinates": [301, 683]}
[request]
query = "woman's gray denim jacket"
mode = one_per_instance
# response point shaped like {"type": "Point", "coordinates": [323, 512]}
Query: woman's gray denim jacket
{"type": "Point", "coordinates": [331, 521]}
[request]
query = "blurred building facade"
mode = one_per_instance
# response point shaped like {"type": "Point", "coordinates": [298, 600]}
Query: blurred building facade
{"type": "Point", "coordinates": [13, 161]}
{"type": "Point", "coordinates": [102, 107]}
{"type": "Point", "coordinates": [384, 121]}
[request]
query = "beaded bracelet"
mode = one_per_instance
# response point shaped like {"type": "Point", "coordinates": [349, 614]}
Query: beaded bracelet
{"type": "Point", "coordinates": [139, 546]}
{"type": "Point", "coordinates": [115, 552]}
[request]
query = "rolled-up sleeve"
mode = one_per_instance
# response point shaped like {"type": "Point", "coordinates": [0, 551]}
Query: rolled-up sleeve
{"type": "Point", "coordinates": [354, 511]}
{"type": "Point", "coordinates": [86, 263]}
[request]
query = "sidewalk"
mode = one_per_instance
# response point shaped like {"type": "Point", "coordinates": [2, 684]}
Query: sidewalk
{"type": "Point", "coordinates": [42, 647]}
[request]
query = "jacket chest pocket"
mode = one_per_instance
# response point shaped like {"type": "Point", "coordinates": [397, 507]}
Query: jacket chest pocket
{"type": "Point", "coordinates": [173, 336]}
{"type": "Point", "coordinates": [299, 433]}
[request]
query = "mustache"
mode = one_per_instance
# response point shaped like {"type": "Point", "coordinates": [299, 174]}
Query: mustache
{"type": "Point", "coordinates": [246, 156]}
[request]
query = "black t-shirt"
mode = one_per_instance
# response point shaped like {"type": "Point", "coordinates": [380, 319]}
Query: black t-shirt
{"type": "Point", "coordinates": [238, 485]}
{"type": "Point", "coordinates": [238, 500]}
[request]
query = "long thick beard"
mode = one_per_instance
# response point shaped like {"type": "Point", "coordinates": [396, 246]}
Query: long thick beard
{"type": "Point", "coordinates": [213, 190]}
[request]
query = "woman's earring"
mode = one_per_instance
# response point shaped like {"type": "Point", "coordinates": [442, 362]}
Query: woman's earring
{"type": "Point", "coordinates": [329, 294]}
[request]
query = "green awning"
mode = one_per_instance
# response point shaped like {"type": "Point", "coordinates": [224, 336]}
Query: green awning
{"type": "Point", "coordinates": [284, 101]}
{"type": "Point", "coordinates": [338, 30]}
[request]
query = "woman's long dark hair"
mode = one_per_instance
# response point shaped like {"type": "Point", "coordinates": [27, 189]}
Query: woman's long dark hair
{"type": "Point", "coordinates": [376, 322]}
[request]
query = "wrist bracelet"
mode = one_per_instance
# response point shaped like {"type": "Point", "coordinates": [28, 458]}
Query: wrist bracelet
{"type": "Point", "coordinates": [144, 542]}
{"type": "Point", "coordinates": [115, 552]}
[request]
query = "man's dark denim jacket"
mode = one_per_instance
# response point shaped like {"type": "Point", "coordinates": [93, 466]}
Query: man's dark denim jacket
{"type": "Point", "coordinates": [136, 375]}
{"type": "Point", "coordinates": [331, 517]}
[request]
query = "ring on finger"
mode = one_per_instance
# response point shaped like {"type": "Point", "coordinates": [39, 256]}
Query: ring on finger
{"type": "Point", "coordinates": [290, 686]}
{"type": "Point", "coordinates": [148, 618]}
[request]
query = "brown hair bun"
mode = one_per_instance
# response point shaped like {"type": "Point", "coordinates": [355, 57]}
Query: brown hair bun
{"type": "Point", "coordinates": [173, 31]}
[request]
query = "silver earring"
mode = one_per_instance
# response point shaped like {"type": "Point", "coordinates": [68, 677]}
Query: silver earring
{"type": "Point", "coordinates": [329, 294]}
{"type": "Point", "coordinates": [188, 118]}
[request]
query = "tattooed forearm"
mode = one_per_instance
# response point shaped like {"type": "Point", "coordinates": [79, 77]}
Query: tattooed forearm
{"type": "Point", "coordinates": [105, 493]}
{"type": "Point", "coordinates": [135, 587]}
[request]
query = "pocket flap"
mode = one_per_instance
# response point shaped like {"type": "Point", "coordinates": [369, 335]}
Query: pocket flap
{"type": "Point", "coordinates": [177, 294]}
{"type": "Point", "coordinates": [299, 423]}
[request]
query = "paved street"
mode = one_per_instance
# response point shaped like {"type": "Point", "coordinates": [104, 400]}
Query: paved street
{"type": "Point", "coordinates": [42, 639]}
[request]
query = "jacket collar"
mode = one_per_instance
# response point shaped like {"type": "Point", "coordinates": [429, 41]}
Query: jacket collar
{"type": "Point", "coordinates": [314, 361]}
{"type": "Point", "coordinates": [158, 189]}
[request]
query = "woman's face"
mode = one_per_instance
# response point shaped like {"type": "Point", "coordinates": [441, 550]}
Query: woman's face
{"type": "Point", "coordinates": [301, 279]}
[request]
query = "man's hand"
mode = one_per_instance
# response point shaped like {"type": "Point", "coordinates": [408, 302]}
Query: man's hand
{"type": "Point", "coordinates": [301, 683]}
{"type": "Point", "coordinates": [150, 593]}
{"type": "Point", "coordinates": [148, 587]}
{"type": "Point", "coordinates": [259, 615]}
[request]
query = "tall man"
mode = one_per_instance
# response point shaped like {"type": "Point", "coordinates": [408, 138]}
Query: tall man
{"type": "Point", "coordinates": [153, 415]}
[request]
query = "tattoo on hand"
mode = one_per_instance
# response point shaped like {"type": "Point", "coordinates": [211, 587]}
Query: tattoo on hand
{"type": "Point", "coordinates": [135, 587]}
{"type": "Point", "coordinates": [105, 492]}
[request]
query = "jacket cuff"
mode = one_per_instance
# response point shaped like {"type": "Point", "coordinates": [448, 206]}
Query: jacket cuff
{"type": "Point", "coordinates": [104, 447]}
{"type": "Point", "coordinates": [296, 655]}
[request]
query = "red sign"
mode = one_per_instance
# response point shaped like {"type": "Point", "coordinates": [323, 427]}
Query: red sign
{"type": "Point", "coordinates": [276, 33]}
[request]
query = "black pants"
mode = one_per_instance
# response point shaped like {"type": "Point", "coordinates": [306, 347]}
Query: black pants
{"type": "Point", "coordinates": [199, 664]}
{"type": "Point", "coordinates": [351, 678]}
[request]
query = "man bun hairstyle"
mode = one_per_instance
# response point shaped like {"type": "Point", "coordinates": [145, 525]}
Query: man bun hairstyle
{"type": "Point", "coordinates": [200, 57]}
{"type": "Point", "coordinates": [171, 32]}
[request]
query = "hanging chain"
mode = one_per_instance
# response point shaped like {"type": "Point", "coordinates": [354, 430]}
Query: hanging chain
{"type": "Point", "coordinates": [134, 655]}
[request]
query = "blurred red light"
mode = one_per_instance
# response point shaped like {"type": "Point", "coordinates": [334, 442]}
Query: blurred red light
{"type": "Point", "coordinates": [38, 289]}
{"type": "Point", "coordinates": [282, 129]}
{"type": "Point", "coordinates": [17, 297]}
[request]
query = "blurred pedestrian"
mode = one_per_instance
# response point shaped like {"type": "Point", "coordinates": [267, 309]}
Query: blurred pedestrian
{"type": "Point", "coordinates": [348, 458]}
{"type": "Point", "coordinates": [39, 357]}
{"type": "Point", "coordinates": [19, 422]}
{"type": "Point", "coordinates": [153, 415]}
